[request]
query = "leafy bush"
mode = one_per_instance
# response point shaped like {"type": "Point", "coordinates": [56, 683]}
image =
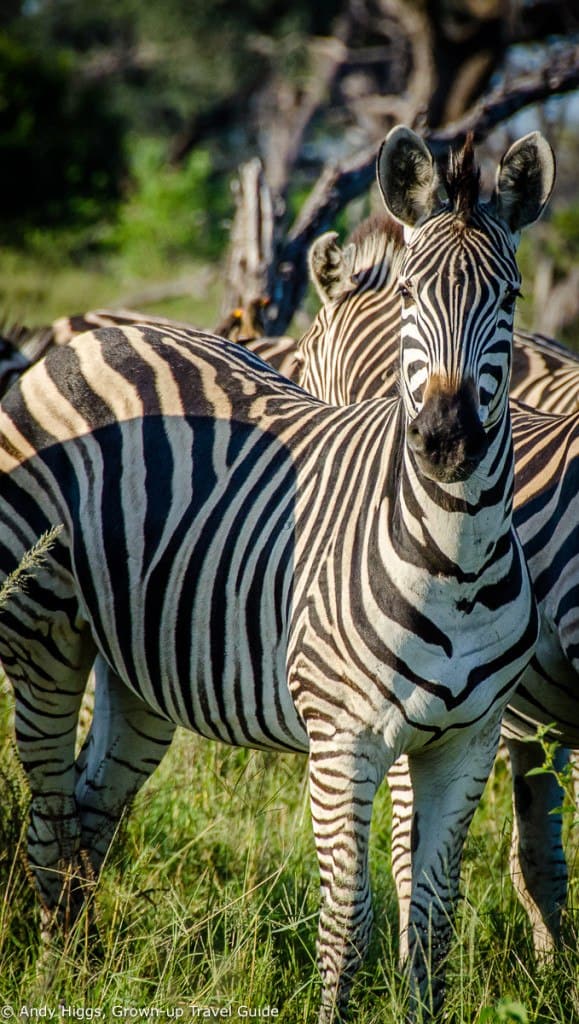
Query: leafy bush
{"type": "Point", "coordinates": [169, 212]}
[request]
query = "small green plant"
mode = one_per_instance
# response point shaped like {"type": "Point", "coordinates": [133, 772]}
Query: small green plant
{"type": "Point", "coordinates": [508, 1011]}
{"type": "Point", "coordinates": [563, 774]}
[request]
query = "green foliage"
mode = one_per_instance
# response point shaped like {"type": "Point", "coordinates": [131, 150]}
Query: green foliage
{"type": "Point", "coordinates": [563, 775]}
{"type": "Point", "coordinates": [174, 58]}
{"type": "Point", "coordinates": [506, 1010]}
{"type": "Point", "coordinates": [552, 246]}
{"type": "Point", "coordinates": [47, 281]}
{"type": "Point", "coordinates": [169, 213]}
{"type": "Point", "coordinates": [171, 227]}
{"type": "Point", "coordinates": [562, 243]}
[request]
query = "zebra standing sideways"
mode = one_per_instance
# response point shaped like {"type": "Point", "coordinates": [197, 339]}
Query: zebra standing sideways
{"type": "Point", "coordinates": [297, 576]}
{"type": "Point", "coordinates": [351, 354]}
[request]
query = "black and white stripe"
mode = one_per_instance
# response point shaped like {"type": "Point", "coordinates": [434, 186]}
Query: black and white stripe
{"type": "Point", "coordinates": [244, 560]}
{"type": "Point", "coordinates": [546, 514]}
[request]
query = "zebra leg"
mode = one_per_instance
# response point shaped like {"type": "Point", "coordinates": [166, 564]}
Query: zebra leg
{"type": "Point", "coordinates": [126, 742]}
{"type": "Point", "coordinates": [447, 783]}
{"type": "Point", "coordinates": [48, 686]}
{"type": "Point", "coordinates": [400, 786]}
{"type": "Point", "coordinates": [537, 862]}
{"type": "Point", "coordinates": [342, 790]}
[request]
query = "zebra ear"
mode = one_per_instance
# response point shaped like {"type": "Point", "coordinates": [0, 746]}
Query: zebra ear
{"type": "Point", "coordinates": [525, 179]}
{"type": "Point", "coordinates": [331, 267]}
{"type": "Point", "coordinates": [407, 176]}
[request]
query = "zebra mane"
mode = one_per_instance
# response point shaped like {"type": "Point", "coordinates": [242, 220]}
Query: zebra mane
{"type": "Point", "coordinates": [376, 242]}
{"type": "Point", "coordinates": [30, 342]}
{"type": "Point", "coordinates": [461, 178]}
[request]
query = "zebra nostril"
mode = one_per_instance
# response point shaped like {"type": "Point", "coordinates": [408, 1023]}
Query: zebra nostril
{"type": "Point", "coordinates": [415, 437]}
{"type": "Point", "coordinates": [477, 446]}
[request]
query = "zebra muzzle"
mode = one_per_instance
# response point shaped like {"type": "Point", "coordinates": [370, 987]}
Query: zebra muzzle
{"type": "Point", "coordinates": [447, 438]}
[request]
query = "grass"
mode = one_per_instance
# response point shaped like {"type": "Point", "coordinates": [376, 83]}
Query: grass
{"type": "Point", "coordinates": [36, 291]}
{"type": "Point", "coordinates": [209, 900]}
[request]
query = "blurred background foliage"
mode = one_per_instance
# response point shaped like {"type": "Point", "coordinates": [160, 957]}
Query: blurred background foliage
{"type": "Point", "coordinates": [93, 101]}
{"type": "Point", "coordinates": [122, 125]}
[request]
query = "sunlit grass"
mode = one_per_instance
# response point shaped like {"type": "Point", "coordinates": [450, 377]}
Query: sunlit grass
{"type": "Point", "coordinates": [209, 899]}
{"type": "Point", "coordinates": [35, 292]}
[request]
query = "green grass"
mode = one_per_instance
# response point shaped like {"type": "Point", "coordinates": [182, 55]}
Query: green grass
{"type": "Point", "coordinates": [35, 291]}
{"type": "Point", "coordinates": [209, 898]}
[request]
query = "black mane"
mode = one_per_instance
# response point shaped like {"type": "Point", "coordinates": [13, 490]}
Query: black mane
{"type": "Point", "coordinates": [462, 180]}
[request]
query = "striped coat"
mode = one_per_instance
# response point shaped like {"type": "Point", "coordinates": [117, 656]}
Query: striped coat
{"type": "Point", "coordinates": [240, 558]}
{"type": "Point", "coordinates": [352, 353]}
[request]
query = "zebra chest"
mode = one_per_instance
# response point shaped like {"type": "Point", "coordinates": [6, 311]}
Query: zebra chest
{"type": "Point", "coordinates": [408, 664]}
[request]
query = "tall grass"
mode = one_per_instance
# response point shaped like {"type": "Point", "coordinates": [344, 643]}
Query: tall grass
{"type": "Point", "coordinates": [209, 899]}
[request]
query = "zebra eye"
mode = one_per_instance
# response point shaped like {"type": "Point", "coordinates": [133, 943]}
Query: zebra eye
{"type": "Point", "coordinates": [405, 291]}
{"type": "Point", "coordinates": [511, 295]}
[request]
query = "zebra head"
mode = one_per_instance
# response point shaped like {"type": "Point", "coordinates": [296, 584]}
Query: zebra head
{"type": "Point", "coordinates": [458, 283]}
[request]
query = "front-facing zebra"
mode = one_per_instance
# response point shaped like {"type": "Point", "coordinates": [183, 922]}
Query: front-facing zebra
{"type": "Point", "coordinates": [244, 560]}
{"type": "Point", "coordinates": [350, 354]}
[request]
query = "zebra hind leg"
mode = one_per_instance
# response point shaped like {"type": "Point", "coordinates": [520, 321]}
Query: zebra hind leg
{"type": "Point", "coordinates": [537, 862]}
{"type": "Point", "coordinates": [447, 784]}
{"type": "Point", "coordinates": [126, 742]}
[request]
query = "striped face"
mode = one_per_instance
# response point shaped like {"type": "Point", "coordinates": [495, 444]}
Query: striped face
{"type": "Point", "coordinates": [458, 284]}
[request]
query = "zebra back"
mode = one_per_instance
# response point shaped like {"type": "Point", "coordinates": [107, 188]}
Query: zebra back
{"type": "Point", "coordinates": [545, 374]}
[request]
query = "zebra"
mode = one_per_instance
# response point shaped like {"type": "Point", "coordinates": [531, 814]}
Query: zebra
{"type": "Point", "coordinates": [351, 353]}
{"type": "Point", "coordinates": [22, 346]}
{"type": "Point", "coordinates": [545, 374]}
{"type": "Point", "coordinates": [278, 589]}
{"type": "Point", "coordinates": [362, 275]}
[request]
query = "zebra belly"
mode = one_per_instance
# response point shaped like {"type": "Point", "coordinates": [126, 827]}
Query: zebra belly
{"type": "Point", "coordinates": [548, 692]}
{"type": "Point", "coordinates": [207, 663]}
{"type": "Point", "coordinates": [187, 602]}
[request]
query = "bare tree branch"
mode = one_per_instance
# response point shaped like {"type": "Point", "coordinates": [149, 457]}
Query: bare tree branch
{"type": "Point", "coordinates": [284, 283]}
{"type": "Point", "coordinates": [558, 74]}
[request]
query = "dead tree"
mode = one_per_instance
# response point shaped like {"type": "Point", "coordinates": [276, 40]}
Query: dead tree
{"type": "Point", "coordinates": [267, 275]}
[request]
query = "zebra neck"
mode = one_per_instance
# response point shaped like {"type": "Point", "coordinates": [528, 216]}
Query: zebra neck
{"type": "Point", "coordinates": [460, 528]}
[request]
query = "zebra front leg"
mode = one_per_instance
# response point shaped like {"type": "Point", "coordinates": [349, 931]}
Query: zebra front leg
{"type": "Point", "coordinates": [126, 742]}
{"type": "Point", "coordinates": [342, 790]}
{"type": "Point", "coordinates": [537, 861]}
{"type": "Point", "coordinates": [447, 784]}
{"type": "Point", "coordinates": [400, 786]}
